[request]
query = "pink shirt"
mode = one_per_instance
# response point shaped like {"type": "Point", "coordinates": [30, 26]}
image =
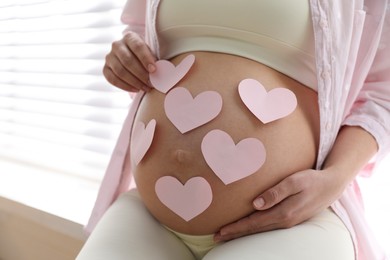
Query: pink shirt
{"type": "Point", "coordinates": [352, 43]}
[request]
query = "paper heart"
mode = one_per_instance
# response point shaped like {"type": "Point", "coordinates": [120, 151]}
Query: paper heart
{"type": "Point", "coordinates": [188, 200]}
{"type": "Point", "coordinates": [267, 106]}
{"type": "Point", "coordinates": [142, 139]}
{"type": "Point", "coordinates": [166, 75]}
{"type": "Point", "coordinates": [232, 162]}
{"type": "Point", "coordinates": [187, 113]}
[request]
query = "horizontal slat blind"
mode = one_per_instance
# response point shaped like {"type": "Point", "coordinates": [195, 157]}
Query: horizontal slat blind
{"type": "Point", "coordinates": [56, 109]}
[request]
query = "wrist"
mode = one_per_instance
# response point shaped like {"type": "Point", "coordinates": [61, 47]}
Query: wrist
{"type": "Point", "coordinates": [353, 148]}
{"type": "Point", "coordinates": [340, 176]}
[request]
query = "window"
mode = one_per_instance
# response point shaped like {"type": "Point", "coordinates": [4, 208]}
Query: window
{"type": "Point", "coordinates": [57, 112]}
{"type": "Point", "coordinates": [59, 118]}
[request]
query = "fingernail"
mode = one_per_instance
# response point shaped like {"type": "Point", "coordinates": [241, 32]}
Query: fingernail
{"type": "Point", "coordinates": [259, 203]}
{"type": "Point", "coordinates": [223, 232]}
{"type": "Point", "coordinates": [151, 68]}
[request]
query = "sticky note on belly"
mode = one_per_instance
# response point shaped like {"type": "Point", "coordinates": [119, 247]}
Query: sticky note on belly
{"type": "Point", "coordinates": [188, 200]}
{"type": "Point", "coordinates": [142, 140]}
{"type": "Point", "coordinates": [267, 106]}
{"type": "Point", "coordinates": [166, 75]}
{"type": "Point", "coordinates": [231, 162]}
{"type": "Point", "coordinates": [187, 113]}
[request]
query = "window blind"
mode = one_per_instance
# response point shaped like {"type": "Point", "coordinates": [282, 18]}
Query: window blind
{"type": "Point", "coordinates": [56, 109]}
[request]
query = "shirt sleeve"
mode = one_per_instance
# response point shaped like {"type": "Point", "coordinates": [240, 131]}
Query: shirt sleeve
{"type": "Point", "coordinates": [371, 109]}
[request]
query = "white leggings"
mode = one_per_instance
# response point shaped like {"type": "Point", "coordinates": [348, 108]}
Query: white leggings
{"type": "Point", "coordinates": [128, 231]}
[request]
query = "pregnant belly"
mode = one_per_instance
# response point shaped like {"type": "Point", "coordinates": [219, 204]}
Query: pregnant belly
{"type": "Point", "coordinates": [193, 182]}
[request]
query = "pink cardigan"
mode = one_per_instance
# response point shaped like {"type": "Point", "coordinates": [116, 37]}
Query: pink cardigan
{"type": "Point", "coordinates": [352, 42]}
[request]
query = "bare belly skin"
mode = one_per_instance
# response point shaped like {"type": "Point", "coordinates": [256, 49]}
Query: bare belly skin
{"type": "Point", "coordinates": [291, 143]}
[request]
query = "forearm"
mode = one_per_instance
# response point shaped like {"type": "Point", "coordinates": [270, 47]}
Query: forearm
{"type": "Point", "coordinates": [353, 148]}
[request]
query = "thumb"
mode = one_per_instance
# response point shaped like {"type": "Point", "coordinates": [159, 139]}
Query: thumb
{"type": "Point", "coordinates": [276, 194]}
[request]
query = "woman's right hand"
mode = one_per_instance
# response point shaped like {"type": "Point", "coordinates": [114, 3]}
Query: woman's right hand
{"type": "Point", "coordinates": [129, 63]}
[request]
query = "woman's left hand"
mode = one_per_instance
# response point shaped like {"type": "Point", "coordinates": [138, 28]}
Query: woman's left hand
{"type": "Point", "coordinates": [295, 199]}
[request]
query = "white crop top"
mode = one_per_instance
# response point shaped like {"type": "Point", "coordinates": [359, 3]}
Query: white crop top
{"type": "Point", "coordinates": [277, 33]}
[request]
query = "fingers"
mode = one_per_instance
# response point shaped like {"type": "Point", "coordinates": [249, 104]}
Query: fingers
{"type": "Point", "coordinates": [284, 215]}
{"type": "Point", "coordinates": [291, 202]}
{"type": "Point", "coordinates": [286, 188]}
{"type": "Point", "coordinates": [119, 76]}
{"type": "Point", "coordinates": [141, 51]}
{"type": "Point", "coordinates": [135, 56]}
{"type": "Point", "coordinates": [129, 63]}
{"type": "Point", "coordinates": [243, 227]}
{"type": "Point", "coordinates": [117, 81]}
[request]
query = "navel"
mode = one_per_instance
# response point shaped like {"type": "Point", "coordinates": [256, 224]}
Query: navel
{"type": "Point", "coordinates": [182, 156]}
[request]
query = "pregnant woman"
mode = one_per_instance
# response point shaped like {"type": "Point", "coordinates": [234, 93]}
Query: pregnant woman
{"type": "Point", "coordinates": [251, 122]}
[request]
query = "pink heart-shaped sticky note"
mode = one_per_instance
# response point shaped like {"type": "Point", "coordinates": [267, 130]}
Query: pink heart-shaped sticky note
{"type": "Point", "coordinates": [188, 200]}
{"type": "Point", "coordinates": [166, 75]}
{"type": "Point", "coordinates": [142, 140]}
{"type": "Point", "coordinates": [187, 113]}
{"type": "Point", "coordinates": [267, 106]}
{"type": "Point", "coordinates": [232, 162]}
